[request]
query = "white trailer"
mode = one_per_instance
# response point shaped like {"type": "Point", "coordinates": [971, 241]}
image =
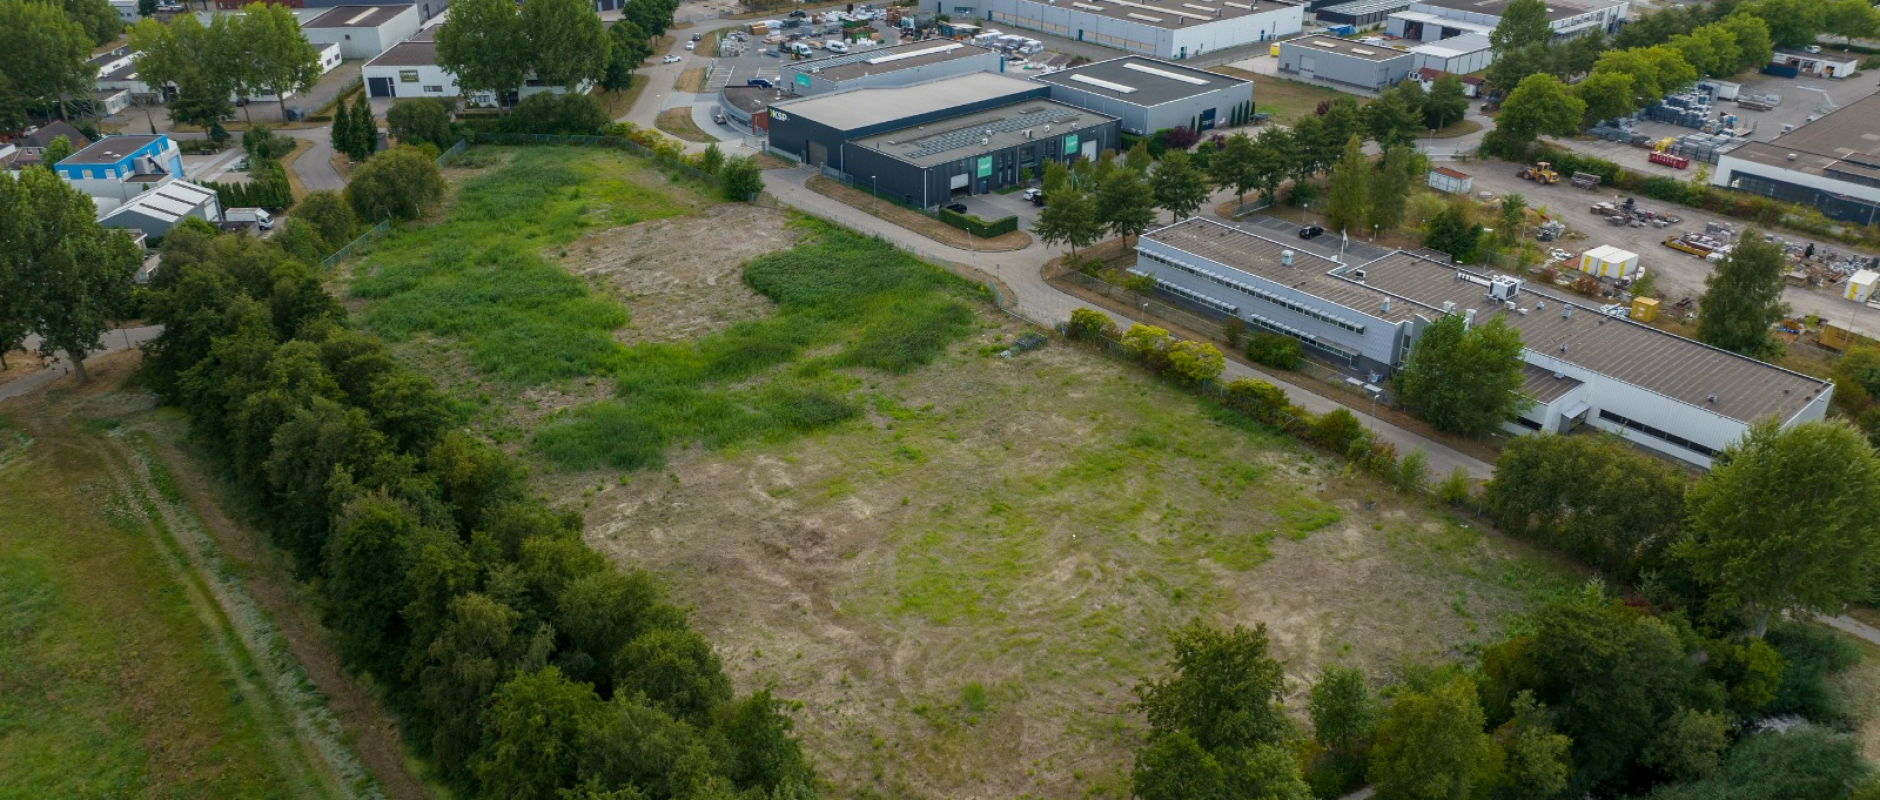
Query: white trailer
{"type": "Point", "coordinates": [1860, 287]}
{"type": "Point", "coordinates": [1609, 262]}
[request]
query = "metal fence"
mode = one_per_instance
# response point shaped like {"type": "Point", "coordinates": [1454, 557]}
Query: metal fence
{"type": "Point", "coordinates": [358, 245]}
{"type": "Point", "coordinates": [667, 160]}
{"type": "Point", "coordinates": [444, 158]}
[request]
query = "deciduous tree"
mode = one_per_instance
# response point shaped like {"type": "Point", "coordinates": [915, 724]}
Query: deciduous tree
{"type": "Point", "coordinates": [626, 49]}
{"type": "Point", "coordinates": [71, 275]}
{"type": "Point", "coordinates": [1124, 203]}
{"type": "Point", "coordinates": [1224, 692]}
{"type": "Point", "coordinates": [46, 54]}
{"type": "Point", "coordinates": [278, 57]}
{"type": "Point", "coordinates": [1344, 714]}
{"type": "Point", "coordinates": [530, 734]}
{"type": "Point", "coordinates": [565, 41]}
{"type": "Point", "coordinates": [1464, 379]}
{"type": "Point", "coordinates": [741, 179]}
{"type": "Point", "coordinates": [1606, 504]}
{"type": "Point", "coordinates": [1178, 187]}
{"type": "Point", "coordinates": [420, 120]}
{"type": "Point", "coordinates": [1523, 23]}
{"type": "Point", "coordinates": [1743, 297]}
{"type": "Point", "coordinates": [1540, 105]}
{"type": "Point", "coordinates": [482, 44]}
{"type": "Point", "coordinates": [1447, 103]}
{"type": "Point", "coordinates": [1390, 188]}
{"type": "Point", "coordinates": [1351, 189]}
{"type": "Point", "coordinates": [1607, 95]}
{"type": "Point", "coordinates": [1069, 217]}
{"type": "Point", "coordinates": [1430, 745]}
{"type": "Point", "coordinates": [1754, 47]}
{"type": "Point", "coordinates": [402, 183]}
{"type": "Point", "coordinates": [1784, 520]}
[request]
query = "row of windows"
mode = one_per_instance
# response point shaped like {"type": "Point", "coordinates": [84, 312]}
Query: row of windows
{"type": "Point", "coordinates": [1192, 295]}
{"type": "Point", "coordinates": [1656, 433]}
{"type": "Point", "coordinates": [1332, 351]}
{"type": "Point", "coordinates": [1282, 302]}
{"type": "Point", "coordinates": [1117, 41]}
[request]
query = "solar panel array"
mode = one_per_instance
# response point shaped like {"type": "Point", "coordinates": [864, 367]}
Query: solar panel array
{"type": "Point", "coordinates": [969, 136]}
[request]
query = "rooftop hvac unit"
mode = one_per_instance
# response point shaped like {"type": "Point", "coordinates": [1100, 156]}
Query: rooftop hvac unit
{"type": "Point", "coordinates": [1504, 288]}
{"type": "Point", "coordinates": [1285, 258]}
{"type": "Point", "coordinates": [1468, 318]}
{"type": "Point", "coordinates": [1449, 307]}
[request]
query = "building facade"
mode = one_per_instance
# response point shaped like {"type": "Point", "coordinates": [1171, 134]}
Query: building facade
{"type": "Point", "coordinates": [426, 8]}
{"type": "Point", "coordinates": [1436, 20]}
{"type": "Point", "coordinates": [115, 169]}
{"type": "Point", "coordinates": [814, 130]}
{"type": "Point", "coordinates": [1831, 164]}
{"type": "Point", "coordinates": [1164, 30]}
{"type": "Point", "coordinates": [1148, 95]}
{"type": "Point", "coordinates": [1327, 58]}
{"type": "Point", "coordinates": [979, 152]}
{"type": "Point", "coordinates": [1458, 55]}
{"type": "Point", "coordinates": [1663, 392]}
{"type": "Point", "coordinates": [155, 212]}
{"type": "Point", "coordinates": [362, 31]}
{"type": "Point", "coordinates": [409, 69]}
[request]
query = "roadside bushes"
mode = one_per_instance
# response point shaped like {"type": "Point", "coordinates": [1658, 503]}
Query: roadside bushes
{"type": "Point", "coordinates": [1276, 351]}
{"type": "Point", "coordinates": [976, 226]}
{"type": "Point", "coordinates": [557, 113]}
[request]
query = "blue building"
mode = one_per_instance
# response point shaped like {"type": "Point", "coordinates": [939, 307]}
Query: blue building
{"type": "Point", "coordinates": [117, 168]}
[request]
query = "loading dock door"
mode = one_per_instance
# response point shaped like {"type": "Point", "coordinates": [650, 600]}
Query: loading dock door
{"type": "Point", "coordinates": [818, 153]}
{"type": "Point", "coordinates": [380, 87]}
{"type": "Point", "coordinates": [1207, 120]}
{"type": "Point", "coordinates": [957, 182]}
{"type": "Point", "coordinates": [1090, 150]}
{"type": "Point", "coordinates": [1308, 66]}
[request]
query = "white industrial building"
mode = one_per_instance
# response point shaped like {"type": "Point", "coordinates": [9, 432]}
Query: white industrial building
{"type": "Point", "coordinates": [1436, 20]}
{"type": "Point", "coordinates": [155, 212]}
{"type": "Point", "coordinates": [899, 65]}
{"type": "Point", "coordinates": [1352, 63]}
{"type": "Point", "coordinates": [409, 69]}
{"type": "Point", "coordinates": [1831, 164]}
{"type": "Point", "coordinates": [1150, 95]}
{"type": "Point", "coordinates": [362, 32]}
{"type": "Point", "coordinates": [1153, 27]}
{"type": "Point", "coordinates": [1585, 367]}
{"type": "Point", "coordinates": [1458, 55]}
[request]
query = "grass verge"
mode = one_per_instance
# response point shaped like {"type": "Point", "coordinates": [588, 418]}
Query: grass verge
{"type": "Point", "coordinates": [1287, 100]}
{"type": "Point", "coordinates": [1460, 128]}
{"type": "Point", "coordinates": [482, 275]}
{"type": "Point", "coordinates": [679, 122]}
{"type": "Point", "coordinates": [915, 221]}
{"type": "Point", "coordinates": [690, 80]}
{"type": "Point", "coordinates": [843, 301]}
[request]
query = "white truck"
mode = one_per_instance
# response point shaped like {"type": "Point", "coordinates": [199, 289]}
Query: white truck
{"type": "Point", "coordinates": [258, 217]}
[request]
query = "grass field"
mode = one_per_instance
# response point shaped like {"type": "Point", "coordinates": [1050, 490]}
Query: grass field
{"type": "Point", "coordinates": [1287, 100]}
{"type": "Point", "coordinates": [678, 122]}
{"type": "Point", "coordinates": [130, 664]}
{"type": "Point", "coordinates": [485, 275]}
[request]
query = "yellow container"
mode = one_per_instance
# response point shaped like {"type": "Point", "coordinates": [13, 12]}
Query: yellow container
{"type": "Point", "coordinates": [1644, 309]}
{"type": "Point", "coordinates": [1837, 337]}
{"type": "Point", "coordinates": [1274, 50]}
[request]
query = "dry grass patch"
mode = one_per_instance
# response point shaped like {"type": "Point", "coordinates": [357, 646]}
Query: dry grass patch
{"type": "Point", "coordinates": [679, 122]}
{"type": "Point", "coordinates": [915, 221]}
{"type": "Point", "coordinates": [1287, 100]}
{"type": "Point", "coordinates": [690, 80]}
{"type": "Point", "coordinates": [962, 586]}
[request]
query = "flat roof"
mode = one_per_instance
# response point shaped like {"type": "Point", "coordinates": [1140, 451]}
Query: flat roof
{"type": "Point", "coordinates": [1447, 22]}
{"type": "Point", "coordinates": [871, 105]}
{"type": "Point", "coordinates": [1361, 7]}
{"type": "Point", "coordinates": [1139, 80]}
{"type": "Point", "coordinates": [1345, 47]}
{"type": "Point", "coordinates": [1544, 386]}
{"type": "Point", "coordinates": [167, 203]}
{"type": "Point", "coordinates": [1682, 369]}
{"type": "Point", "coordinates": [109, 56]}
{"type": "Point", "coordinates": [1454, 46]}
{"type": "Point", "coordinates": [986, 131]}
{"type": "Point", "coordinates": [413, 52]}
{"type": "Point", "coordinates": [1843, 144]}
{"type": "Point", "coordinates": [1167, 13]}
{"type": "Point", "coordinates": [1451, 173]}
{"type": "Point", "coordinates": [1556, 10]}
{"type": "Point", "coordinates": [849, 66]}
{"type": "Point", "coordinates": [110, 149]}
{"type": "Point", "coordinates": [356, 16]}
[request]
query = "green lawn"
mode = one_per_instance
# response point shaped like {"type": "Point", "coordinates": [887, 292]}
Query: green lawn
{"type": "Point", "coordinates": [1287, 100]}
{"type": "Point", "coordinates": [111, 682]}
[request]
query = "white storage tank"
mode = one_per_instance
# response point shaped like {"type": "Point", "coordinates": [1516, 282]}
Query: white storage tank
{"type": "Point", "coordinates": [1860, 287]}
{"type": "Point", "coordinates": [1609, 262]}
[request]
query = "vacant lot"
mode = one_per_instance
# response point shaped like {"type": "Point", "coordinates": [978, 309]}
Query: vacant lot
{"type": "Point", "coordinates": [132, 661]}
{"type": "Point", "coordinates": [958, 563]}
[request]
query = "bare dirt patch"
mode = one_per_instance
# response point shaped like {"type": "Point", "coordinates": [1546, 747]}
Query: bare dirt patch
{"type": "Point", "coordinates": [962, 588]}
{"type": "Point", "coordinates": [682, 278]}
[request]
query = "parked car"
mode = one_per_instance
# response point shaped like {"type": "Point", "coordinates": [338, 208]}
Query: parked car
{"type": "Point", "coordinates": [671, 60]}
{"type": "Point", "coordinates": [1033, 194]}
{"type": "Point", "coordinates": [1038, 199]}
{"type": "Point", "coordinates": [697, 36]}
{"type": "Point", "coordinates": [718, 117]}
{"type": "Point", "coordinates": [957, 208]}
{"type": "Point", "coordinates": [834, 46]}
{"type": "Point", "coordinates": [691, 45]}
{"type": "Point", "coordinates": [1310, 231]}
{"type": "Point", "coordinates": [761, 83]}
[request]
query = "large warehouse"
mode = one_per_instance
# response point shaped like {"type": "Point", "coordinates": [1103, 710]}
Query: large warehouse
{"type": "Point", "coordinates": [972, 133]}
{"type": "Point", "coordinates": [1150, 95]}
{"type": "Point", "coordinates": [900, 65]}
{"type": "Point", "coordinates": [362, 31]}
{"type": "Point", "coordinates": [1663, 392]}
{"type": "Point", "coordinates": [1164, 29]}
{"type": "Point", "coordinates": [1328, 58]}
{"type": "Point", "coordinates": [1831, 164]}
{"type": "Point", "coordinates": [1435, 20]}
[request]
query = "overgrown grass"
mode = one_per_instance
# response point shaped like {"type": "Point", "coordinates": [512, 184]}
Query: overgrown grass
{"type": "Point", "coordinates": [480, 275]}
{"type": "Point", "coordinates": [852, 301]}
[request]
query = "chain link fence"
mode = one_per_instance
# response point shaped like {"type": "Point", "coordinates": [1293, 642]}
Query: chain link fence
{"type": "Point", "coordinates": [357, 246]}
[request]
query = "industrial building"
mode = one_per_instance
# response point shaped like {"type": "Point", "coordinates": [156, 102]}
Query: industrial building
{"type": "Point", "coordinates": [410, 69]}
{"type": "Point", "coordinates": [426, 8]}
{"type": "Point", "coordinates": [362, 32]}
{"type": "Point", "coordinates": [1328, 58]}
{"type": "Point", "coordinates": [1815, 65]}
{"type": "Point", "coordinates": [971, 134]}
{"type": "Point", "coordinates": [1660, 391]}
{"type": "Point", "coordinates": [115, 169]}
{"type": "Point", "coordinates": [1150, 95]}
{"type": "Point", "coordinates": [1162, 29]}
{"type": "Point", "coordinates": [1359, 13]}
{"type": "Point", "coordinates": [1436, 20]}
{"type": "Point", "coordinates": [1427, 78]}
{"type": "Point", "coordinates": [900, 65]}
{"type": "Point", "coordinates": [155, 212]}
{"type": "Point", "coordinates": [1458, 55]}
{"type": "Point", "coordinates": [1831, 164]}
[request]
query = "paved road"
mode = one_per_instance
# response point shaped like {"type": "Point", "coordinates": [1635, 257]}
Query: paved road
{"type": "Point", "coordinates": [114, 341]}
{"type": "Point", "coordinates": [314, 167]}
{"type": "Point", "coordinates": [1852, 627]}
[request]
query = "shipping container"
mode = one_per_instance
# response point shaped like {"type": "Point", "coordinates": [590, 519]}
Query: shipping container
{"type": "Point", "coordinates": [1839, 336]}
{"type": "Point", "coordinates": [1669, 160]}
{"type": "Point", "coordinates": [1780, 70]}
{"type": "Point", "coordinates": [1607, 261]}
{"type": "Point", "coordinates": [1644, 309]}
{"type": "Point", "coordinates": [1860, 287]}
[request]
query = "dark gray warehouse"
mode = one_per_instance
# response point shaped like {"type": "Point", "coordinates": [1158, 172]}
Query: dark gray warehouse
{"type": "Point", "coordinates": [970, 133]}
{"type": "Point", "coordinates": [1150, 95]}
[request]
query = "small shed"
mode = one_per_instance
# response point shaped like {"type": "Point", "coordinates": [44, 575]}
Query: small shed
{"type": "Point", "coordinates": [1607, 261]}
{"type": "Point", "coordinates": [1449, 181]}
{"type": "Point", "coordinates": [1860, 287]}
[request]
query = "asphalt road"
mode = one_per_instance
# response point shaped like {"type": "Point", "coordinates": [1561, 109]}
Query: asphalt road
{"type": "Point", "coordinates": [314, 167]}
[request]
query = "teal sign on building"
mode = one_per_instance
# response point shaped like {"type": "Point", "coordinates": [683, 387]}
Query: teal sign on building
{"type": "Point", "coordinates": [985, 167]}
{"type": "Point", "coordinates": [802, 79]}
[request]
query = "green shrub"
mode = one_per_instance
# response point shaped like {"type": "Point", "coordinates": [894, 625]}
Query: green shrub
{"type": "Point", "coordinates": [1276, 350]}
{"type": "Point", "coordinates": [1338, 430]}
{"type": "Point", "coordinates": [1090, 325]}
{"type": "Point", "coordinates": [1458, 489]}
{"type": "Point", "coordinates": [976, 226]}
{"type": "Point", "coordinates": [1813, 653]}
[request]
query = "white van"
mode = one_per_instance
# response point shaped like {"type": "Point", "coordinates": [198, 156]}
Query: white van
{"type": "Point", "coordinates": [836, 46]}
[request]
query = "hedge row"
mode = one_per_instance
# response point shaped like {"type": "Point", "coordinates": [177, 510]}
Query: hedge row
{"type": "Point", "coordinates": [977, 226]}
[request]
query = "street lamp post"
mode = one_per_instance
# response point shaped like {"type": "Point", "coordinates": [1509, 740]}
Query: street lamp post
{"type": "Point", "coordinates": [876, 186]}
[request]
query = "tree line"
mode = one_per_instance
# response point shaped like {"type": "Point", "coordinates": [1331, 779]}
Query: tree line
{"type": "Point", "coordinates": [258, 52]}
{"type": "Point", "coordinates": [63, 277]}
{"type": "Point", "coordinates": [47, 46]}
{"type": "Point", "coordinates": [523, 663]}
{"type": "Point", "coordinates": [491, 46]}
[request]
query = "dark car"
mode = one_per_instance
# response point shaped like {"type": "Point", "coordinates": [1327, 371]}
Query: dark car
{"type": "Point", "coordinates": [1038, 199]}
{"type": "Point", "coordinates": [957, 208]}
{"type": "Point", "coordinates": [761, 83]}
{"type": "Point", "coordinates": [1310, 231]}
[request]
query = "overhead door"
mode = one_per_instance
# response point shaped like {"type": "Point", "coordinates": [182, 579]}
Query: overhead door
{"type": "Point", "coordinates": [958, 182]}
{"type": "Point", "coordinates": [379, 87]}
{"type": "Point", "coordinates": [818, 153]}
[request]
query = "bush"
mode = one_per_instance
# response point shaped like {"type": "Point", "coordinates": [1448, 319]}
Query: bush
{"type": "Point", "coordinates": [422, 120]}
{"type": "Point", "coordinates": [1148, 344]}
{"type": "Point", "coordinates": [403, 182]}
{"type": "Point", "coordinates": [1413, 474]}
{"type": "Point", "coordinates": [264, 145]}
{"type": "Point", "coordinates": [1276, 350]}
{"type": "Point", "coordinates": [556, 113]}
{"type": "Point", "coordinates": [1813, 653]}
{"type": "Point", "coordinates": [1090, 325]}
{"type": "Point", "coordinates": [1261, 400]}
{"type": "Point", "coordinates": [1338, 431]}
{"type": "Point", "coordinates": [976, 226]}
{"type": "Point", "coordinates": [1458, 489]}
{"type": "Point", "coordinates": [1194, 362]}
{"type": "Point", "coordinates": [740, 180]}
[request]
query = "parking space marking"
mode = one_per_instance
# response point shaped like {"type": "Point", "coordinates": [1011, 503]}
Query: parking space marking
{"type": "Point", "coordinates": [720, 77]}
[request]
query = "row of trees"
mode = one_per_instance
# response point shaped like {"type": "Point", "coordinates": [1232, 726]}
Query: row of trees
{"type": "Point", "coordinates": [355, 129]}
{"type": "Point", "coordinates": [523, 664]}
{"type": "Point", "coordinates": [258, 52]}
{"type": "Point", "coordinates": [46, 52]}
{"type": "Point", "coordinates": [491, 46]}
